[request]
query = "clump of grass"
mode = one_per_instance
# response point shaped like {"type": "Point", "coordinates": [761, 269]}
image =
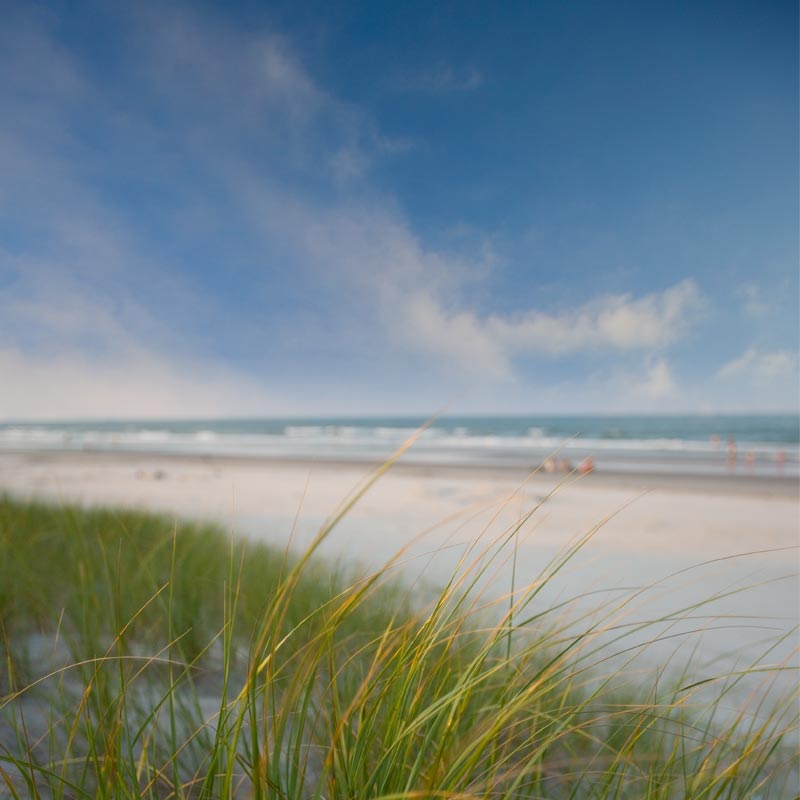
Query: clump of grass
{"type": "Point", "coordinates": [86, 571]}
{"type": "Point", "coordinates": [193, 666]}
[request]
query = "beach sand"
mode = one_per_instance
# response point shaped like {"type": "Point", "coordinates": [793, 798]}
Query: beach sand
{"type": "Point", "coordinates": [653, 514]}
{"type": "Point", "coordinates": [683, 540]}
{"type": "Point", "coordinates": [656, 522]}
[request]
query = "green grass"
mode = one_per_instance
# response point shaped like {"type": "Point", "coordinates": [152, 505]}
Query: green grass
{"type": "Point", "coordinates": [148, 659]}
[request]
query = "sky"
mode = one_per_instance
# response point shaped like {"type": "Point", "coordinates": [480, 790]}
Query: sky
{"type": "Point", "coordinates": [300, 208]}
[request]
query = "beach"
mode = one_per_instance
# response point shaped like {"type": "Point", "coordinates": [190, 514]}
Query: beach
{"type": "Point", "coordinates": [645, 527]}
{"type": "Point", "coordinates": [657, 514]}
{"type": "Point", "coordinates": [684, 538]}
{"type": "Point", "coordinates": [667, 570]}
{"type": "Point", "coordinates": [665, 485]}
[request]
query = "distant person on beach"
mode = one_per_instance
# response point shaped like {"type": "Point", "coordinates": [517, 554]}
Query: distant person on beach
{"type": "Point", "coordinates": [731, 453]}
{"type": "Point", "coordinates": [586, 466]}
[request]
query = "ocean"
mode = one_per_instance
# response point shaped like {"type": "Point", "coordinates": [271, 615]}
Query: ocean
{"type": "Point", "coordinates": [680, 444]}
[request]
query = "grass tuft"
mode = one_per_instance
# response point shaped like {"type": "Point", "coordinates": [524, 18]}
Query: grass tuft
{"type": "Point", "coordinates": [148, 659]}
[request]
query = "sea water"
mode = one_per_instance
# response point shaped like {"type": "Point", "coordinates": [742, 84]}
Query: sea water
{"type": "Point", "coordinates": [756, 444]}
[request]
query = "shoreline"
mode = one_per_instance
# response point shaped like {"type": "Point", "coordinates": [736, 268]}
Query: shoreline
{"type": "Point", "coordinates": [738, 483]}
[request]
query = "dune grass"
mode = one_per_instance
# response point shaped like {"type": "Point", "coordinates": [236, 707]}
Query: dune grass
{"type": "Point", "coordinates": [148, 659]}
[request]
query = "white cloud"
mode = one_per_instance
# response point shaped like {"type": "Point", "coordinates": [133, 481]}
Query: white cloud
{"type": "Point", "coordinates": [760, 379]}
{"type": "Point", "coordinates": [758, 364]}
{"type": "Point", "coordinates": [606, 324]}
{"type": "Point", "coordinates": [149, 385]}
{"type": "Point", "coordinates": [613, 322]}
{"type": "Point", "coordinates": [371, 261]}
{"type": "Point", "coordinates": [659, 382]}
{"type": "Point", "coordinates": [457, 339]}
{"type": "Point", "coordinates": [738, 364]}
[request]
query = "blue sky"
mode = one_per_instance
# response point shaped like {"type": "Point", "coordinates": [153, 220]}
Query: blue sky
{"type": "Point", "coordinates": [309, 208]}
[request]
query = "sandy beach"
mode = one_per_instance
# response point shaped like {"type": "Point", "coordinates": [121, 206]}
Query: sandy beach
{"type": "Point", "coordinates": [704, 517]}
{"type": "Point", "coordinates": [648, 525]}
{"type": "Point", "coordinates": [698, 513]}
{"type": "Point", "coordinates": [682, 540]}
{"type": "Point", "coordinates": [670, 543]}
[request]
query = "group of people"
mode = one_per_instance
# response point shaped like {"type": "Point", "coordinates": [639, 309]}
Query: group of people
{"type": "Point", "coordinates": [553, 465]}
{"type": "Point", "coordinates": [564, 465]}
{"type": "Point", "coordinates": [749, 456]}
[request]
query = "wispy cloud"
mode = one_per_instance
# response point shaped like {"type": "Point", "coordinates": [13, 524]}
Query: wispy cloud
{"type": "Point", "coordinates": [219, 222]}
{"type": "Point", "coordinates": [764, 365]}
{"type": "Point", "coordinates": [617, 322]}
{"type": "Point", "coordinates": [413, 297]}
{"type": "Point", "coordinates": [490, 344]}
{"type": "Point", "coordinates": [754, 304]}
{"type": "Point", "coordinates": [440, 78]}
